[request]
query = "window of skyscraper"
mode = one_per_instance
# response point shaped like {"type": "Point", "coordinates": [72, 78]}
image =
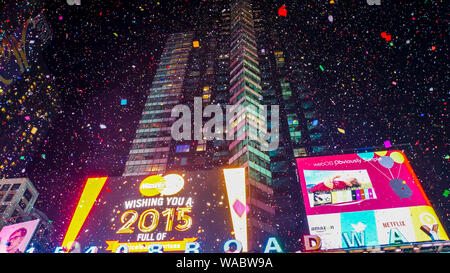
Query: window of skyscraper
{"type": "Point", "coordinates": [315, 136]}
{"type": "Point", "coordinates": [22, 204]}
{"type": "Point", "coordinates": [28, 195]}
{"type": "Point", "coordinates": [306, 104]}
{"type": "Point", "coordinates": [296, 136]}
{"type": "Point", "coordinates": [15, 213]}
{"type": "Point", "coordinates": [9, 197]}
{"type": "Point", "coordinates": [15, 187]}
{"type": "Point", "coordinates": [201, 147]}
{"type": "Point", "coordinates": [310, 114]}
{"type": "Point", "coordinates": [5, 187]}
{"type": "Point", "coordinates": [317, 149]}
{"type": "Point", "coordinates": [183, 161]}
{"type": "Point", "coordinates": [3, 208]}
{"type": "Point", "coordinates": [182, 149]}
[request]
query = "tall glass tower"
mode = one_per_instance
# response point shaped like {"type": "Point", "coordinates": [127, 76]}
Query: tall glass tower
{"type": "Point", "coordinates": [219, 64]}
{"type": "Point", "coordinates": [246, 149]}
{"type": "Point", "coordinates": [151, 147]}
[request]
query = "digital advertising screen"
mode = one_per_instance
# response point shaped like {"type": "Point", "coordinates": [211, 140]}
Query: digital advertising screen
{"type": "Point", "coordinates": [198, 211]}
{"type": "Point", "coordinates": [366, 199]}
{"type": "Point", "coordinates": [15, 238]}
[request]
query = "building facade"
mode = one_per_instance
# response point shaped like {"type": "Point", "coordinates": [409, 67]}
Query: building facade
{"type": "Point", "coordinates": [247, 149]}
{"type": "Point", "coordinates": [151, 147]}
{"type": "Point", "coordinates": [17, 198]}
{"type": "Point", "coordinates": [219, 67]}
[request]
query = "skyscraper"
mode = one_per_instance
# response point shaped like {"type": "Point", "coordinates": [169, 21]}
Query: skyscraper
{"type": "Point", "coordinates": [257, 62]}
{"type": "Point", "coordinates": [151, 147]}
{"type": "Point", "coordinates": [240, 61]}
{"type": "Point", "coordinates": [245, 92]}
{"type": "Point", "coordinates": [220, 66]}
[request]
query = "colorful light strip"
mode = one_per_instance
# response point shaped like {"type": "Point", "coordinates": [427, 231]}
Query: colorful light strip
{"type": "Point", "coordinates": [144, 246]}
{"type": "Point", "coordinates": [89, 195]}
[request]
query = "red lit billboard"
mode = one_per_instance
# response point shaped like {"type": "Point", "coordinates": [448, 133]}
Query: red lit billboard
{"type": "Point", "coordinates": [366, 199]}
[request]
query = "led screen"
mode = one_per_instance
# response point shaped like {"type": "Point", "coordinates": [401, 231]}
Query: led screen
{"type": "Point", "coordinates": [168, 210]}
{"type": "Point", "coordinates": [15, 238]}
{"type": "Point", "coordinates": [366, 199]}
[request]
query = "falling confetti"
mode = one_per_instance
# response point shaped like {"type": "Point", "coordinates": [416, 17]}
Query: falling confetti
{"type": "Point", "coordinates": [386, 36]}
{"type": "Point", "coordinates": [387, 144]}
{"type": "Point", "coordinates": [386, 81]}
{"type": "Point", "coordinates": [282, 11]}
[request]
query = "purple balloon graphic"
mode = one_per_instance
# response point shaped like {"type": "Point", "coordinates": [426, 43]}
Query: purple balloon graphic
{"type": "Point", "coordinates": [386, 162]}
{"type": "Point", "coordinates": [400, 188]}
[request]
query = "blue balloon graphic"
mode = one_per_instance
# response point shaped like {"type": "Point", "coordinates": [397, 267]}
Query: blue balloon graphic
{"type": "Point", "coordinates": [386, 162]}
{"type": "Point", "coordinates": [366, 156]}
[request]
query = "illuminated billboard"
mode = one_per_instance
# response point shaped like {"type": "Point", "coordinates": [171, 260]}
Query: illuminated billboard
{"type": "Point", "coordinates": [15, 238]}
{"type": "Point", "coordinates": [366, 199]}
{"type": "Point", "coordinates": [173, 212]}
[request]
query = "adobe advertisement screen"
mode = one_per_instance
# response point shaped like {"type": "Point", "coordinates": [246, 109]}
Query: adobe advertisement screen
{"type": "Point", "coordinates": [15, 238]}
{"type": "Point", "coordinates": [140, 212]}
{"type": "Point", "coordinates": [366, 199]}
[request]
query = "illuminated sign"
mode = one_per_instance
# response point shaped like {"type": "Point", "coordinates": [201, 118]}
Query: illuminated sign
{"type": "Point", "coordinates": [366, 199]}
{"type": "Point", "coordinates": [272, 246]}
{"type": "Point", "coordinates": [91, 191]}
{"type": "Point", "coordinates": [235, 184]}
{"type": "Point", "coordinates": [177, 212]}
{"type": "Point", "coordinates": [15, 238]}
{"type": "Point", "coordinates": [168, 185]}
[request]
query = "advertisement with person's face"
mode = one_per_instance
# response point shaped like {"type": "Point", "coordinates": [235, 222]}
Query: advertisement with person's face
{"type": "Point", "coordinates": [15, 238]}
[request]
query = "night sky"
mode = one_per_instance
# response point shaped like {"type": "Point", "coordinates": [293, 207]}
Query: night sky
{"type": "Point", "coordinates": [376, 90]}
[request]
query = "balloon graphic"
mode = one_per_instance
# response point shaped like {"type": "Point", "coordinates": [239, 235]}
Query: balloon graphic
{"type": "Point", "coordinates": [397, 157]}
{"type": "Point", "coordinates": [381, 153]}
{"type": "Point", "coordinates": [386, 162]}
{"type": "Point", "coordinates": [400, 188]}
{"type": "Point", "coordinates": [366, 156]}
